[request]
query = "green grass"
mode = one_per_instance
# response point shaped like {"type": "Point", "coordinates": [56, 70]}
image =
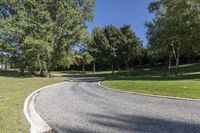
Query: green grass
{"type": "Point", "coordinates": [159, 81]}
{"type": "Point", "coordinates": [14, 89]}
{"type": "Point", "coordinates": [13, 92]}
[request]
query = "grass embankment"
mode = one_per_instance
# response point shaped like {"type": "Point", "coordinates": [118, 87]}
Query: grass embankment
{"type": "Point", "coordinates": [13, 92]}
{"type": "Point", "coordinates": [159, 81]}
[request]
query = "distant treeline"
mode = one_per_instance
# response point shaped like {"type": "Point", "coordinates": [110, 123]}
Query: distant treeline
{"type": "Point", "coordinates": [173, 38]}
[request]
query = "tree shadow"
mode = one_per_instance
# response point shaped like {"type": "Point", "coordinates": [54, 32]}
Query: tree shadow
{"type": "Point", "coordinates": [87, 79]}
{"type": "Point", "coordinates": [156, 77]}
{"type": "Point", "coordinates": [62, 129]}
{"type": "Point", "coordinates": [14, 74]}
{"type": "Point", "coordinates": [72, 72]}
{"type": "Point", "coordinates": [129, 124]}
{"type": "Point", "coordinates": [141, 124]}
{"type": "Point", "coordinates": [190, 68]}
{"type": "Point", "coordinates": [191, 71]}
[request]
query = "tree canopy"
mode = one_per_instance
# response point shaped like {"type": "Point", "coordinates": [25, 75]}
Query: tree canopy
{"type": "Point", "coordinates": [40, 33]}
{"type": "Point", "coordinates": [174, 28]}
{"type": "Point", "coordinates": [114, 47]}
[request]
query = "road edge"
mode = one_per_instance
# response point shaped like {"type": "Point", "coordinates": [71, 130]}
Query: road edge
{"type": "Point", "coordinates": [38, 125]}
{"type": "Point", "coordinates": [143, 94]}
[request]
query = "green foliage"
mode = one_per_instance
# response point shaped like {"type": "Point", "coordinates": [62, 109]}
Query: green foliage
{"type": "Point", "coordinates": [114, 47]}
{"type": "Point", "coordinates": [41, 34]}
{"type": "Point", "coordinates": [98, 45]}
{"type": "Point", "coordinates": [86, 58]}
{"type": "Point", "coordinates": [131, 49]}
{"type": "Point", "coordinates": [83, 58]}
{"type": "Point", "coordinates": [175, 27]}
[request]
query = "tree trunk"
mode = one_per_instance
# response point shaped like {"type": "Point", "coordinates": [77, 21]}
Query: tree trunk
{"type": "Point", "coordinates": [177, 62]}
{"type": "Point", "coordinates": [49, 65]}
{"type": "Point", "coordinates": [119, 69]}
{"type": "Point", "coordinates": [1, 63]}
{"type": "Point", "coordinates": [42, 72]}
{"type": "Point", "coordinates": [49, 68]}
{"type": "Point", "coordinates": [83, 68]}
{"type": "Point", "coordinates": [189, 59]}
{"type": "Point", "coordinates": [22, 69]}
{"type": "Point", "coordinates": [113, 70]}
{"type": "Point", "coordinates": [6, 64]}
{"type": "Point", "coordinates": [176, 56]}
{"type": "Point", "coordinates": [170, 63]}
{"type": "Point", "coordinates": [49, 73]}
{"type": "Point", "coordinates": [94, 67]}
{"type": "Point", "coordinates": [196, 50]}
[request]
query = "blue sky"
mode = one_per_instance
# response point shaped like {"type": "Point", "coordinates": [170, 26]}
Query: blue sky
{"type": "Point", "coordinates": [119, 12]}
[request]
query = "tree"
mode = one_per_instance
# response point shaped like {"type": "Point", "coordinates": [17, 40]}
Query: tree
{"type": "Point", "coordinates": [46, 29]}
{"type": "Point", "coordinates": [83, 58]}
{"type": "Point", "coordinates": [97, 46]}
{"type": "Point", "coordinates": [12, 26]}
{"type": "Point", "coordinates": [23, 30]}
{"type": "Point", "coordinates": [67, 30]}
{"type": "Point", "coordinates": [131, 48]}
{"type": "Point", "coordinates": [173, 27]}
{"type": "Point", "coordinates": [115, 39]}
{"type": "Point", "coordinates": [103, 45]}
{"type": "Point", "coordinates": [159, 47]}
{"type": "Point", "coordinates": [114, 46]}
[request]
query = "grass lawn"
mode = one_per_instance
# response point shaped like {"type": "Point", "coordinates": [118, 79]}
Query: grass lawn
{"type": "Point", "coordinates": [159, 81]}
{"type": "Point", "coordinates": [13, 92]}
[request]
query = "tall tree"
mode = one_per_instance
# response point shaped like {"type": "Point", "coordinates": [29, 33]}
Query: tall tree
{"type": "Point", "coordinates": [174, 26]}
{"type": "Point", "coordinates": [114, 46]}
{"type": "Point", "coordinates": [115, 39]}
{"type": "Point", "coordinates": [46, 26]}
{"type": "Point", "coordinates": [97, 47]}
{"type": "Point", "coordinates": [131, 48]}
{"type": "Point", "coordinates": [69, 28]}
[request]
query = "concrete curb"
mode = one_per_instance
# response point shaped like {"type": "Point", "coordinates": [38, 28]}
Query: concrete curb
{"type": "Point", "coordinates": [38, 125]}
{"type": "Point", "coordinates": [149, 95]}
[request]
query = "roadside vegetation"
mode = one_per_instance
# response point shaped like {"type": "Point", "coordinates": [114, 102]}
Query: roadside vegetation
{"type": "Point", "coordinates": [13, 91]}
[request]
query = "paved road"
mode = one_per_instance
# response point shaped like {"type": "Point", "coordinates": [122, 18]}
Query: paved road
{"type": "Point", "coordinates": [83, 107]}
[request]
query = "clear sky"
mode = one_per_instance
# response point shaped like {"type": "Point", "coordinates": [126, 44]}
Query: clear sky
{"type": "Point", "coordinates": [119, 12]}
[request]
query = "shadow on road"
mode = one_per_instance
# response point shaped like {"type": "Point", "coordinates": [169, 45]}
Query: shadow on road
{"type": "Point", "coordinates": [133, 124]}
{"type": "Point", "coordinates": [86, 79]}
{"type": "Point", "coordinates": [140, 124]}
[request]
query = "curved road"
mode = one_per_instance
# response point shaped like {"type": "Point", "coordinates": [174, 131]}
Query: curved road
{"type": "Point", "coordinates": [81, 106]}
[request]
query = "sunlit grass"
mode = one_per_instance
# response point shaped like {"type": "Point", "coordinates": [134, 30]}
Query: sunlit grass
{"type": "Point", "coordinates": [159, 81]}
{"type": "Point", "coordinates": [13, 92]}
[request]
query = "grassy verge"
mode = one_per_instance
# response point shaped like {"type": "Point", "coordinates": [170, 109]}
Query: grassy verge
{"type": "Point", "coordinates": [13, 92]}
{"type": "Point", "coordinates": [159, 81]}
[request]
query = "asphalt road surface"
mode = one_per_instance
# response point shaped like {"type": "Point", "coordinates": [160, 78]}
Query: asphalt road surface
{"type": "Point", "coordinates": [81, 106]}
